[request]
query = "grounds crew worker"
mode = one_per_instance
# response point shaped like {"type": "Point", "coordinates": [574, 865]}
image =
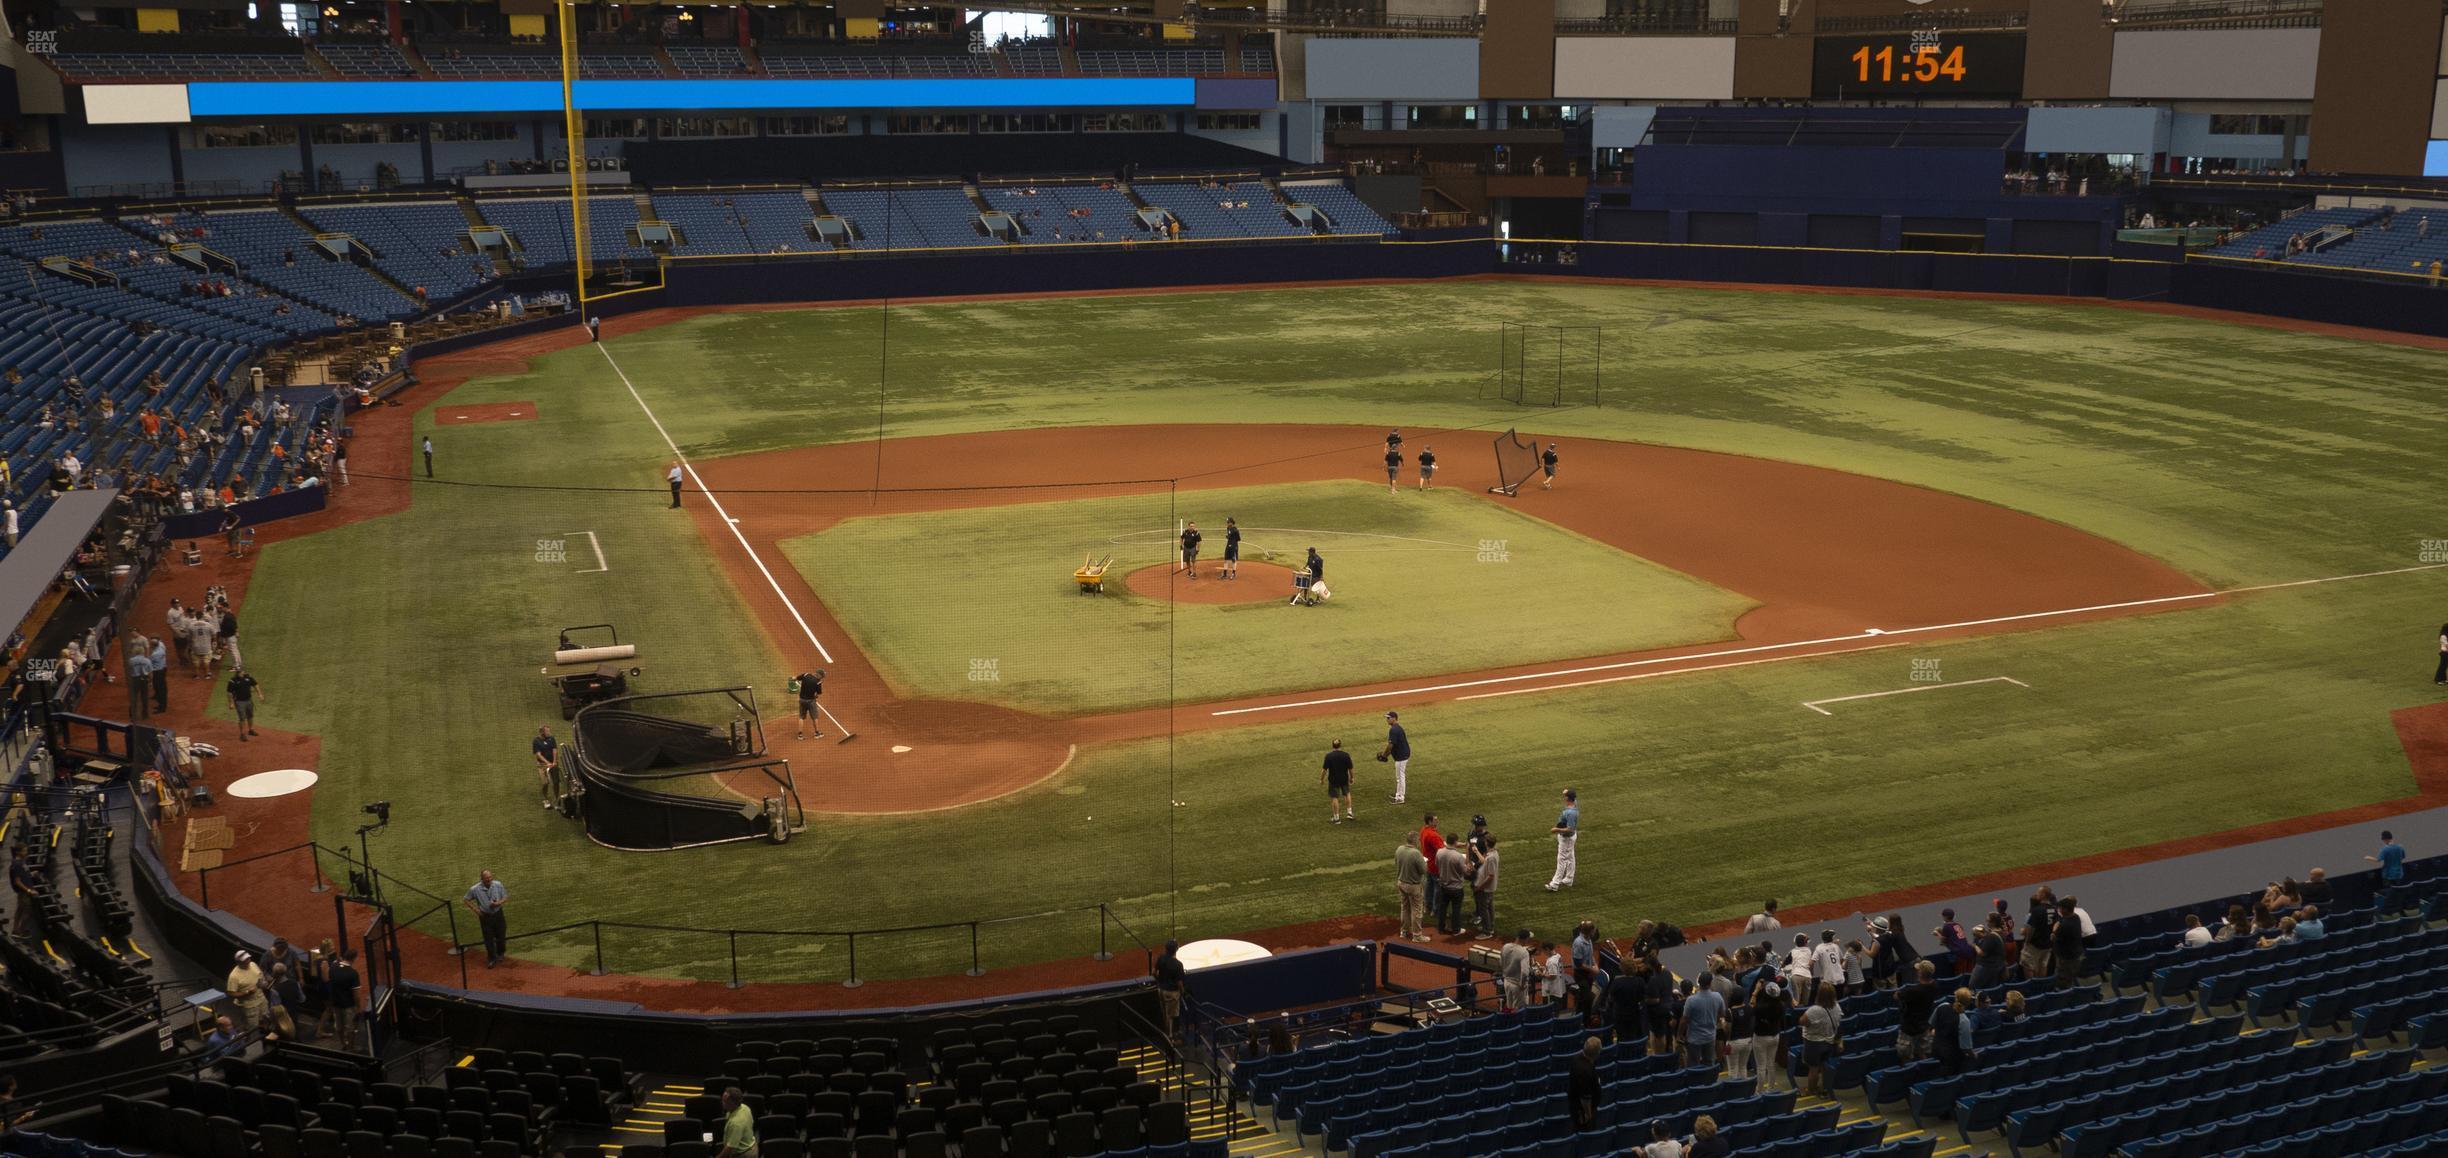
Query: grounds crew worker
{"type": "Point", "coordinates": [809, 685]}
{"type": "Point", "coordinates": [1189, 549]}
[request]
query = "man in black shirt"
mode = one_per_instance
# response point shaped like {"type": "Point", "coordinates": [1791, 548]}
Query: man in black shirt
{"type": "Point", "coordinates": [1232, 549]}
{"type": "Point", "coordinates": [1313, 570]}
{"type": "Point", "coordinates": [343, 983]}
{"type": "Point", "coordinates": [1170, 975]}
{"type": "Point", "coordinates": [27, 885]}
{"type": "Point", "coordinates": [809, 685]}
{"type": "Point", "coordinates": [1427, 465]}
{"type": "Point", "coordinates": [1393, 461]}
{"type": "Point", "coordinates": [2066, 942]}
{"type": "Point", "coordinates": [1627, 1017]}
{"type": "Point", "coordinates": [1583, 1088]}
{"type": "Point", "coordinates": [1548, 462]}
{"type": "Point", "coordinates": [1189, 549]}
{"type": "Point", "coordinates": [1337, 776]}
{"type": "Point", "coordinates": [242, 692]}
{"type": "Point", "coordinates": [1914, 1004]}
{"type": "Point", "coordinates": [547, 756]}
{"type": "Point", "coordinates": [1989, 952]}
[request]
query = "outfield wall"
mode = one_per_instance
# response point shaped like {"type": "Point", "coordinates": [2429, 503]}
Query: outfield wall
{"type": "Point", "coordinates": [727, 282]}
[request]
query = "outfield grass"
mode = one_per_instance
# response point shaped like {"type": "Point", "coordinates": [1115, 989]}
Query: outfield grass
{"type": "Point", "coordinates": [2241, 455]}
{"type": "Point", "coordinates": [1427, 582]}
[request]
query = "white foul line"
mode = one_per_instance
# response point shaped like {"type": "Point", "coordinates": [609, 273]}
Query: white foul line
{"type": "Point", "coordinates": [1867, 633]}
{"type": "Point", "coordinates": [728, 521]}
{"type": "Point", "coordinates": [1814, 704]}
{"type": "Point", "coordinates": [596, 543]}
{"type": "Point", "coordinates": [1650, 675]}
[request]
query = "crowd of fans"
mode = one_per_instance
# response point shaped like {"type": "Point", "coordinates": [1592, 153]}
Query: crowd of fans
{"type": "Point", "coordinates": [1733, 1013]}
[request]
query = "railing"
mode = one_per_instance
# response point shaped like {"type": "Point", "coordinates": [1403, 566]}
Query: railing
{"type": "Point", "coordinates": [2219, 14]}
{"type": "Point", "coordinates": [692, 939]}
{"type": "Point", "coordinates": [959, 946]}
{"type": "Point", "coordinates": [1646, 24]}
{"type": "Point", "coordinates": [1917, 21]}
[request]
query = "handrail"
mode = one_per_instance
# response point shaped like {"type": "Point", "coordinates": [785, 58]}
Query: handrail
{"type": "Point", "coordinates": [731, 936]}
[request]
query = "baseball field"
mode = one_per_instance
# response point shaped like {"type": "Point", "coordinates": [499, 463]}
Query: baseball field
{"type": "Point", "coordinates": [1834, 595]}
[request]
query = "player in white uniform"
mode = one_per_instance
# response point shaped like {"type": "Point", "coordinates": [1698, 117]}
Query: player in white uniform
{"type": "Point", "coordinates": [1568, 834]}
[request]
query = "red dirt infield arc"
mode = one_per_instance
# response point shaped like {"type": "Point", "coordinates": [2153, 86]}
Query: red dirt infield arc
{"type": "Point", "coordinates": [1679, 527]}
{"type": "Point", "coordinates": [1256, 583]}
{"type": "Point", "coordinates": [460, 414]}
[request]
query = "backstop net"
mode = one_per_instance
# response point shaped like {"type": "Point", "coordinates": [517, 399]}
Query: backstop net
{"type": "Point", "coordinates": [1516, 461]}
{"type": "Point", "coordinates": [1542, 365]}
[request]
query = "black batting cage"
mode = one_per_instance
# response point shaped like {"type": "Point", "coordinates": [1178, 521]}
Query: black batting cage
{"type": "Point", "coordinates": [677, 770]}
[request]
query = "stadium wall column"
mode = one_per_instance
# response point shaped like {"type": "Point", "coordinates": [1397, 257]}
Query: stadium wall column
{"type": "Point", "coordinates": [1517, 50]}
{"type": "Point", "coordinates": [2373, 93]}
{"type": "Point", "coordinates": [1768, 63]}
{"type": "Point", "coordinates": [2067, 51]}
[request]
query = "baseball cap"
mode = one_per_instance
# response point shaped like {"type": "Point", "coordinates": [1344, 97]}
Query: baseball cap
{"type": "Point", "coordinates": [1392, 715]}
{"type": "Point", "coordinates": [1479, 820]}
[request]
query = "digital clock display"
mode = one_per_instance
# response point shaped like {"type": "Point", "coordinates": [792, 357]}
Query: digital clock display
{"type": "Point", "coordinates": [1919, 64]}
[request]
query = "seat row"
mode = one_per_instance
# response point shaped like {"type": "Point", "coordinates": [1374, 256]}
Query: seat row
{"type": "Point", "coordinates": [1983, 1100]}
{"type": "Point", "coordinates": [2345, 1089]}
{"type": "Point", "coordinates": [1159, 1130]}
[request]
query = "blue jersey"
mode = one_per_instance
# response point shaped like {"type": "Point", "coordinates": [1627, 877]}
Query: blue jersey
{"type": "Point", "coordinates": [1398, 745]}
{"type": "Point", "coordinates": [2392, 862]}
{"type": "Point", "coordinates": [1570, 820]}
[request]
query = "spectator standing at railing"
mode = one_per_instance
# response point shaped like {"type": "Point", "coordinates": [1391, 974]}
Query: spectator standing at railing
{"type": "Point", "coordinates": [344, 985]}
{"type": "Point", "coordinates": [157, 670]}
{"type": "Point", "coordinates": [486, 899]}
{"type": "Point", "coordinates": [1768, 1017]}
{"type": "Point", "coordinates": [1483, 888]}
{"type": "Point", "coordinates": [1453, 875]}
{"type": "Point", "coordinates": [1914, 1004]}
{"type": "Point", "coordinates": [1513, 970]}
{"type": "Point", "coordinates": [245, 986]}
{"type": "Point", "coordinates": [139, 679]}
{"type": "Point", "coordinates": [1704, 1010]}
{"type": "Point", "coordinates": [1170, 976]}
{"type": "Point", "coordinates": [27, 885]}
{"type": "Point", "coordinates": [1989, 952]}
{"type": "Point", "coordinates": [2066, 943]}
{"type": "Point", "coordinates": [1410, 884]}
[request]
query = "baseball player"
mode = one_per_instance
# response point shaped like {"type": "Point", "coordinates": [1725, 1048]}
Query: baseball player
{"type": "Point", "coordinates": [1393, 467]}
{"type": "Point", "coordinates": [1397, 749]}
{"type": "Point", "coordinates": [809, 685]}
{"type": "Point", "coordinates": [1427, 465]}
{"type": "Point", "coordinates": [1189, 548]}
{"type": "Point", "coordinates": [1568, 834]}
{"type": "Point", "coordinates": [1547, 462]}
{"type": "Point", "coordinates": [1232, 549]}
{"type": "Point", "coordinates": [1336, 775]}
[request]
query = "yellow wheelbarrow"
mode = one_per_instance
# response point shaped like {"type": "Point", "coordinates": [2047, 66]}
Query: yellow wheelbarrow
{"type": "Point", "coordinates": [1091, 575]}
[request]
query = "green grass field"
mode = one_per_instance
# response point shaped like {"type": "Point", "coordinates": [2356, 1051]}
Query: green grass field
{"type": "Point", "coordinates": [2241, 455]}
{"type": "Point", "coordinates": [899, 583]}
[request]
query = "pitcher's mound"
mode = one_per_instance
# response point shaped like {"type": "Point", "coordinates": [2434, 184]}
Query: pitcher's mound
{"type": "Point", "coordinates": [1257, 583]}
